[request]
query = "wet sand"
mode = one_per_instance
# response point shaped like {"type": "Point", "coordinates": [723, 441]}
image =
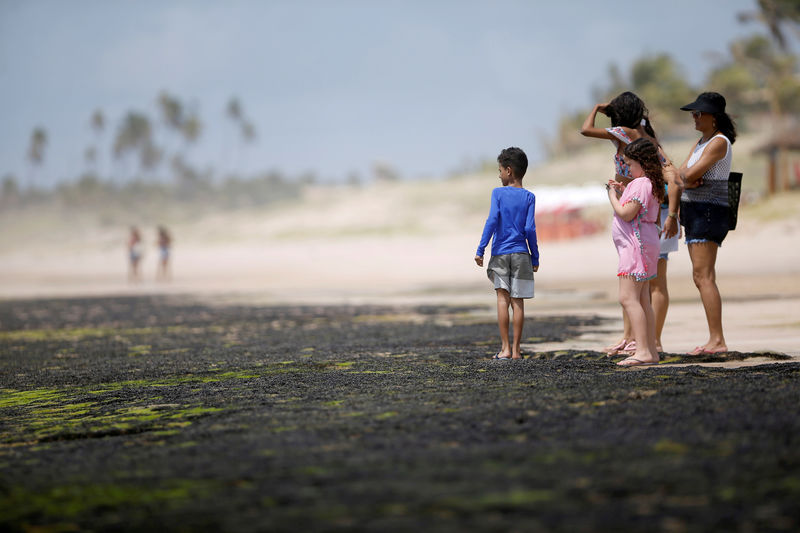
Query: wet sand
{"type": "Point", "coordinates": [173, 413]}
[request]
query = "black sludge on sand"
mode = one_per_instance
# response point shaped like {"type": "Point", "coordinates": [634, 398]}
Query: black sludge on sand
{"type": "Point", "coordinates": [160, 413]}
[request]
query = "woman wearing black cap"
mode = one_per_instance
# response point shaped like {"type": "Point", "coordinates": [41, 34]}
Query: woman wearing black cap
{"type": "Point", "coordinates": [704, 206]}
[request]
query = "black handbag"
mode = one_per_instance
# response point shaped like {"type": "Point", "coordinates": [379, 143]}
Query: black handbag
{"type": "Point", "coordinates": [734, 193]}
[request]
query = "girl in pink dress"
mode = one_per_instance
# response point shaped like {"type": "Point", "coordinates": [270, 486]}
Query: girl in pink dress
{"type": "Point", "coordinates": [636, 237]}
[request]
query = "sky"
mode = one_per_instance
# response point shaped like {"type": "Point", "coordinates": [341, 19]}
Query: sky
{"type": "Point", "coordinates": [332, 87]}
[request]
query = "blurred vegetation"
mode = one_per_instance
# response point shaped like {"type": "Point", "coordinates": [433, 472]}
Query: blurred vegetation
{"type": "Point", "coordinates": [147, 171]}
{"type": "Point", "coordinates": [759, 76]}
{"type": "Point", "coordinates": [144, 166]}
{"type": "Point", "coordinates": [192, 195]}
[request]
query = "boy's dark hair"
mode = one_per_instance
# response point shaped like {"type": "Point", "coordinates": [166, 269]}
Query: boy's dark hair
{"type": "Point", "coordinates": [516, 159]}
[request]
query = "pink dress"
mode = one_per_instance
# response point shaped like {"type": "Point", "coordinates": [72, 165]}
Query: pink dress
{"type": "Point", "coordinates": [637, 241]}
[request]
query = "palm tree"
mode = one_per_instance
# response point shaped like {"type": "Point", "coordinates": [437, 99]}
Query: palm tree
{"type": "Point", "coordinates": [775, 14]}
{"type": "Point", "coordinates": [191, 129]}
{"type": "Point", "coordinates": [135, 135]}
{"type": "Point", "coordinates": [247, 129]}
{"type": "Point", "coordinates": [36, 151]}
{"type": "Point", "coordinates": [234, 110]}
{"type": "Point", "coordinates": [98, 124]}
{"type": "Point", "coordinates": [90, 157]}
{"type": "Point", "coordinates": [171, 110]}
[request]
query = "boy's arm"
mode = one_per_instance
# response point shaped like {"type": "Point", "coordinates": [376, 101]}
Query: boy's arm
{"type": "Point", "coordinates": [488, 228]}
{"type": "Point", "coordinates": [530, 233]}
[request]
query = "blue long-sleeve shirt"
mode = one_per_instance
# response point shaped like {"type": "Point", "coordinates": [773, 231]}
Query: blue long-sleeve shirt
{"type": "Point", "coordinates": [511, 224]}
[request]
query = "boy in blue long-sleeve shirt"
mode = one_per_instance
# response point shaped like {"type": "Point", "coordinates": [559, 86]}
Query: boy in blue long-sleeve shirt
{"type": "Point", "coordinates": [515, 252]}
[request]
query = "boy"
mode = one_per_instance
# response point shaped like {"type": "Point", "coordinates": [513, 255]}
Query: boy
{"type": "Point", "coordinates": [515, 252]}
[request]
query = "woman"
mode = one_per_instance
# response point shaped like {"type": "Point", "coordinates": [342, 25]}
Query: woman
{"type": "Point", "coordinates": [704, 206]}
{"type": "Point", "coordinates": [134, 254]}
{"type": "Point", "coordinates": [164, 245]}
{"type": "Point", "coordinates": [629, 122]}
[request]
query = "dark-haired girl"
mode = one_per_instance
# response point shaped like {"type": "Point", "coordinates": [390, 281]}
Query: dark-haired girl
{"type": "Point", "coordinates": [629, 122]}
{"type": "Point", "coordinates": [636, 237]}
{"type": "Point", "coordinates": [704, 206]}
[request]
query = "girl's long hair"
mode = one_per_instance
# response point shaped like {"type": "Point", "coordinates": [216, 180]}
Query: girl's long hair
{"type": "Point", "coordinates": [628, 110]}
{"type": "Point", "coordinates": [645, 152]}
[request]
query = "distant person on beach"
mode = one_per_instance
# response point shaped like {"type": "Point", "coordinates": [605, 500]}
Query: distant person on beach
{"type": "Point", "coordinates": [704, 206]}
{"type": "Point", "coordinates": [629, 122]}
{"type": "Point", "coordinates": [164, 246]}
{"type": "Point", "coordinates": [515, 251]}
{"type": "Point", "coordinates": [636, 238]}
{"type": "Point", "coordinates": [134, 254]}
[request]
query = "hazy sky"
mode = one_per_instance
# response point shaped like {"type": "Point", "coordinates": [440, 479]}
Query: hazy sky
{"type": "Point", "coordinates": [332, 86]}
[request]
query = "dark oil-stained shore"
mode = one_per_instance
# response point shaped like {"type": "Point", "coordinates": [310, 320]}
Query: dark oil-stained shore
{"type": "Point", "coordinates": [162, 413]}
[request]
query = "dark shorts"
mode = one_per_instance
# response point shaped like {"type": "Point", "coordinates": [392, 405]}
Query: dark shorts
{"type": "Point", "coordinates": [703, 222]}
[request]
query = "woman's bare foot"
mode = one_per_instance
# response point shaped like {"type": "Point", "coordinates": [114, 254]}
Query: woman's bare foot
{"type": "Point", "coordinates": [709, 350]}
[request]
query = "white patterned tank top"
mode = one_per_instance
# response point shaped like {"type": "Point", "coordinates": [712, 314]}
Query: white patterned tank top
{"type": "Point", "coordinates": [714, 189]}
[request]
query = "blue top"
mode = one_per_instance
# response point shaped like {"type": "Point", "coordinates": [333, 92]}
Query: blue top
{"type": "Point", "coordinates": [511, 224]}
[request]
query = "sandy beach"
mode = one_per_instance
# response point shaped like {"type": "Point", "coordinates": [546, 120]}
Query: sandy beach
{"type": "Point", "coordinates": [286, 257]}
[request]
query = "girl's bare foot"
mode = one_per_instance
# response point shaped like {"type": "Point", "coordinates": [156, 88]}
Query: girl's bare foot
{"type": "Point", "coordinates": [615, 348]}
{"type": "Point", "coordinates": [633, 361]}
{"type": "Point", "coordinates": [628, 349]}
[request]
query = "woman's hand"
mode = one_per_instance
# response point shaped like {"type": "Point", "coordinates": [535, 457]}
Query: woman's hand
{"type": "Point", "coordinates": [670, 227]}
{"type": "Point", "coordinates": [691, 184]}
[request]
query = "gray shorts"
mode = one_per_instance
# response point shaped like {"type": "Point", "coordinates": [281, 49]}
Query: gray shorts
{"type": "Point", "coordinates": [512, 272]}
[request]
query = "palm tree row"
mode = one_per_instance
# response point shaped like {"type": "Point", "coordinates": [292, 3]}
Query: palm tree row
{"type": "Point", "coordinates": [141, 145]}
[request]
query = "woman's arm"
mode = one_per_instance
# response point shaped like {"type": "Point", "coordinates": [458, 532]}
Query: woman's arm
{"type": "Point", "coordinates": [692, 177]}
{"type": "Point", "coordinates": [589, 130]}
{"type": "Point", "coordinates": [674, 190]}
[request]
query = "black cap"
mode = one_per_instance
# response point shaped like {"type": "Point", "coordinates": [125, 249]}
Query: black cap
{"type": "Point", "coordinates": [707, 103]}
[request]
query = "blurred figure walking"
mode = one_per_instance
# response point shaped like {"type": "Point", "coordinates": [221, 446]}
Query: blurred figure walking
{"type": "Point", "coordinates": [164, 246]}
{"type": "Point", "coordinates": [134, 254]}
